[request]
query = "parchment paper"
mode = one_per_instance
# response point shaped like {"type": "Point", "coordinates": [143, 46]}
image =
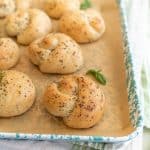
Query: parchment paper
{"type": "Point", "coordinates": [105, 54]}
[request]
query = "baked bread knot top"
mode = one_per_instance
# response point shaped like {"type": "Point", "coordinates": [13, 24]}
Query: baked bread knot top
{"type": "Point", "coordinates": [83, 26]}
{"type": "Point", "coordinates": [28, 25]}
{"type": "Point", "coordinates": [9, 53]}
{"type": "Point", "coordinates": [56, 8]}
{"type": "Point", "coordinates": [77, 99]}
{"type": "Point", "coordinates": [9, 6]}
{"type": "Point", "coordinates": [56, 53]}
{"type": "Point", "coordinates": [17, 93]}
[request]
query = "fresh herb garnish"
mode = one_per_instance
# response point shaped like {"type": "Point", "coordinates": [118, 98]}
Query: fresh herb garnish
{"type": "Point", "coordinates": [98, 76]}
{"type": "Point", "coordinates": [86, 4]}
{"type": "Point", "coordinates": [1, 76]}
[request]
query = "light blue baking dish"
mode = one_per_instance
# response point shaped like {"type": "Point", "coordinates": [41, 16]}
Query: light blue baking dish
{"type": "Point", "coordinates": [135, 106]}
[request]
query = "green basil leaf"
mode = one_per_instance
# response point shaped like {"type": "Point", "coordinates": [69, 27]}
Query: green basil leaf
{"type": "Point", "coordinates": [86, 4]}
{"type": "Point", "coordinates": [98, 76]}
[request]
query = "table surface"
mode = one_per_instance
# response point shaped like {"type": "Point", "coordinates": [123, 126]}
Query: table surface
{"type": "Point", "coordinates": [146, 139]}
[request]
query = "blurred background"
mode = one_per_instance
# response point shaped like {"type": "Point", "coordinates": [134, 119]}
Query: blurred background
{"type": "Point", "coordinates": [138, 19]}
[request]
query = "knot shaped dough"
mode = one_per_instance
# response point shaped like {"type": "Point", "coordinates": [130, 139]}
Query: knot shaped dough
{"type": "Point", "coordinates": [56, 53]}
{"type": "Point", "coordinates": [17, 93]}
{"type": "Point", "coordinates": [28, 25]}
{"type": "Point", "coordinates": [9, 6]}
{"type": "Point", "coordinates": [77, 99]}
{"type": "Point", "coordinates": [83, 26]}
{"type": "Point", "coordinates": [56, 8]}
{"type": "Point", "coordinates": [9, 53]}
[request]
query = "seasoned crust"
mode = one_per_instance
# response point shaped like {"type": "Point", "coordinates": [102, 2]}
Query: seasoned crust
{"type": "Point", "coordinates": [28, 25]}
{"type": "Point", "coordinates": [9, 53]}
{"type": "Point", "coordinates": [83, 101]}
{"type": "Point", "coordinates": [56, 8]}
{"type": "Point", "coordinates": [9, 6]}
{"type": "Point", "coordinates": [23, 4]}
{"type": "Point", "coordinates": [83, 26]}
{"type": "Point", "coordinates": [56, 53]}
{"type": "Point", "coordinates": [17, 93]}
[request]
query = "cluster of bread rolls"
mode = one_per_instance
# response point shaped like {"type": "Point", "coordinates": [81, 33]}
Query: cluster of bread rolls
{"type": "Point", "coordinates": [77, 99]}
{"type": "Point", "coordinates": [83, 26]}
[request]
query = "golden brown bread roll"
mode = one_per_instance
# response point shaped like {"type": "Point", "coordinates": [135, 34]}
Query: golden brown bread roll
{"type": "Point", "coordinates": [56, 8]}
{"type": "Point", "coordinates": [9, 53]}
{"type": "Point", "coordinates": [56, 53]}
{"type": "Point", "coordinates": [28, 25]}
{"type": "Point", "coordinates": [83, 26]}
{"type": "Point", "coordinates": [78, 99]}
{"type": "Point", "coordinates": [23, 4]}
{"type": "Point", "coordinates": [9, 6]}
{"type": "Point", "coordinates": [17, 93]}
